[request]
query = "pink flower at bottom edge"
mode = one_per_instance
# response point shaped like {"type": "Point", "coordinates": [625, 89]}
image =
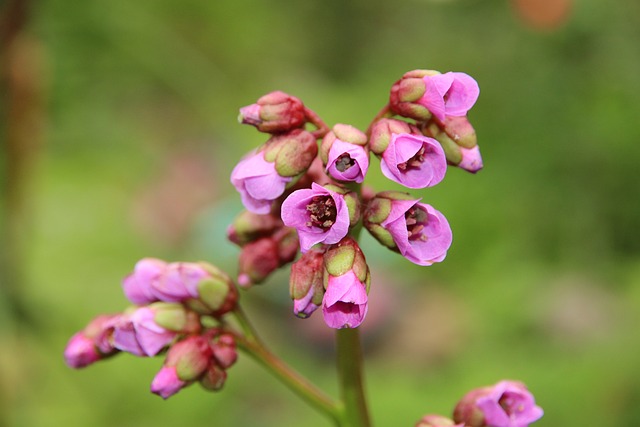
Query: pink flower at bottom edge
{"type": "Point", "coordinates": [509, 404]}
{"type": "Point", "coordinates": [345, 302]}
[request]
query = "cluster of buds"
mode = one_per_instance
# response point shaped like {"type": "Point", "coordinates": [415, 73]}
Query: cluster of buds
{"type": "Point", "coordinates": [505, 404]}
{"type": "Point", "coordinates": [266, 245]}
{"type": "Point", "coordinates": [171, 302]}
{"type": "Point", "coordinates": [312, 182]}
{"type": "Point", "coordinates": [439, 104]}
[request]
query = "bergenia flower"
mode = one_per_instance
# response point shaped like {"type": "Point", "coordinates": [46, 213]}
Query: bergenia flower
{"type": "Point", "coordinates": [305, 283]}
{"type": "Point", "coordinates": [344, 154]}
{"type": "Point", "coordinates": [138, 286]}
{"type": "Point", "coordinates": [345, 301]}
{"type": "Point", "coordinates": [91, 344]}
{"type": "Point", "coordinates": [505, 404]}
{"type": "Point", "coordinates": [346, 276]}
{"type": "Point", "coordinates": [186, 361]}
{"type": "Point", "coordinates": [418, 231]}
{"type": "Point", "coordinates": [320, 215]}
{"type": "Point", "coordinates": [275, 112]}
{"type": "Point", "coordinates": [347, 162]}
{"type": "Point", "coordinates": [139, 334]}
{"type": "Point", "coordinates": [449, 94]}
{"type": "Point", "coordinates": [509, 404]}
{"type": "Point", "coordinates": [414, 161]}
{"type": "Point", "coordinates": [258, 182]}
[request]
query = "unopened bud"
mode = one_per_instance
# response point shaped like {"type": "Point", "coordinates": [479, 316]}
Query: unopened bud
{"type": "Point", "coordinates": [249, 226]}
{"type": "Point", "coordinates": [291, 152]}
{"type": "Point", "coordinates": [275, 112]}
{"type": "Point", "coordinates": [305, 283]}
{"type": "Point", "coordinates": [383, 130]}
{"type": "Point", "coordinates": [217, 293]}
{"type": "Point", "coordinates": [190, 357]}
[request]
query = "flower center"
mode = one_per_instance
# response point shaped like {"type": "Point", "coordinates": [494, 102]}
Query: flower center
{"type": "Point", "coordinates": [414, 162]}
{"type": "Point", "coordinates": [322, 212]}
{"type": "Point", "coordinates": [344, 162]}
{"type": "Point", "coordinates": [416, 218]}
{"type": "Point", "coordinates": [510, 405]}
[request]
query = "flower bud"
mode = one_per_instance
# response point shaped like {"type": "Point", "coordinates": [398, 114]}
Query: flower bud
{"type": "Point", "coordinates": [461, 148]}
{"type": "Point", "coordinates": [437, 421]}
{"type": "Point", "coordinates": [138, 285]}
{"type": "Point", "coordinates": [344, 154]}
{"type": "Point", "coordinates": [224, 350]}
{"type": "Point", "coordinates": [248, 226]}
{"type": "Point", "coordinates": [406, 94]}
{"type": "Point", "coordinates": [319, 214]}
{"type": "Point", "coordinates": [291, 152]}
{"type": "Point", "coordinates": [305, 283]}
{"type": "Point", "coordinates": [505, 404]}
{"type": "Point", "coordinates": [217, 294]}
{"type": "Point", "coordinates": [262, 257]}
{"type": "Point", "coordinates": [421, 94]}
{"type": "Point", "coordinates": [213, 378]}
{"type": "Point", "coordinates": [416, 230]}
{"type": "Point", "coordinates": [346, 279]}
{"type": "Point", "coordinates": [91, 344]}
{"type": "Point", "coordinates": [137, 332]}
{"type": "Point", "coordinates": [186, 362]}
{"type": "Point", "coordinates": [275, 112]}
{"type": "Point", "coordinates": [382, 131]}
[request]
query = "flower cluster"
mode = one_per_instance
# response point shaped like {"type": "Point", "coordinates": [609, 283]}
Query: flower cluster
{"type": "Point", "coordinates": [505, 404]}
{"type": "Point", "coordinates": [316, 188]}
{"type": "Point", "coordinates": [171, 302]}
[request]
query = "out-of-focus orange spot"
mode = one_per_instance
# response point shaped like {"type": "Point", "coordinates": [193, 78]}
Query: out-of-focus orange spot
{"type": "Point", "coordinates": [543, 14]}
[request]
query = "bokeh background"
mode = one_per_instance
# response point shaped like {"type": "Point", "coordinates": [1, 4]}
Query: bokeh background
{"type": "Point", "coordinates": [119, 133]}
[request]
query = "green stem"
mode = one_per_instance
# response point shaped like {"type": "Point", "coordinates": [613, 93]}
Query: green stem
{"type": "Point", "coordinates": [350, 373]}
{"type": "Point", "coordinates": [251, 344]}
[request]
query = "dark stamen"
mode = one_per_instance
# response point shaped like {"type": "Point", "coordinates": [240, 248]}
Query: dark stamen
{"type": "Point", "coordinates": [413, 162]}
{"type": "Point", "coordinates": [322, 212]}
{"type": "Point", "coordinates": [344, 162]}
{"type": "Point", "coordinates": [416, 218]}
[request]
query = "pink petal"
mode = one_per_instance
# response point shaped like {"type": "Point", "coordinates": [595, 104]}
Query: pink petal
{"type": "Point", "coordinates": [462, 94]}
{"type": "Point", "coordinates": [433, 98]}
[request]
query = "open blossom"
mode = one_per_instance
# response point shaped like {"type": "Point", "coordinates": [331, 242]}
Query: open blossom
{"type": "Point", "coordinates": [347, 162]}
{"type": "Point", "coordinates": [449, 94]}
{"type": "Point", "coordinates": [505, 404]}
{"type": "Point", "coordinates": [258, 182]}
{"type": "Point", "coordinates": [416, 230]}
{"type": "Point", "coordinates": [319, 214]}
{"type": "Point", "coordinates": [414, 161]}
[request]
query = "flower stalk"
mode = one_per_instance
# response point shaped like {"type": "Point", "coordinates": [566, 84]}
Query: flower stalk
{"type": "Point", "coordinates": [351, 378]}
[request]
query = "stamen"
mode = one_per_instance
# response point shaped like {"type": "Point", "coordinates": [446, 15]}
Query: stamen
{"type": "Point", "coordinates": [322, 212]}
{"type": "Point", "coordinates": [344, 162]}
{"type": "Point", "coordinates": [413, 162]}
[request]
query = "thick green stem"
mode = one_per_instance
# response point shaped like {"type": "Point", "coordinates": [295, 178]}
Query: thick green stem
{"type": "Point", "coordinates": [350, 374]}
{"type": "Point", "coordinates": [251, 344]}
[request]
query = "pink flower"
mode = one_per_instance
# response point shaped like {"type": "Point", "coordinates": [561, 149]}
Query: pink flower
{"type": "Point", "coordinates": [471, 159]}
{"type": "Point", "coordinates": [422, 233]}
{"type": "Point", "coordinates": [320, 216]}
{"type": "Point", "coordinates": [449, 94]}
{"type": "Point", "coordinates": [91, 344]}
{"type": "Point", "coordinates": [414, 161]}
{"type": "Point", "coordinates": [81, 351]}
{"type": "Point", "coordinates": [347, 162]}
{"type": "Point", "coordinates": [166, 382]}
{"type": "Point", "coordinates": [509, 404]}
{"type": "Point", "coordinates": [179, 282]}
{"type": "Point", "coordinates": [345, 302]}
{"type": "Point", "coordinates": [139, 334]}
{"type": "Point", "coordinates": [138, 286]}
{"type": "Point", "coordinates": [258, 182]}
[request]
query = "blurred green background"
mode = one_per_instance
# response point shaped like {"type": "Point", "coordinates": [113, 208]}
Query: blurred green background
{"type": "Point", "coordinates": [119, 133]}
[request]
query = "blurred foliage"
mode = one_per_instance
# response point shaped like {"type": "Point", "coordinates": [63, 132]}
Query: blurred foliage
{"type": "Point", "coordinates": [542, 283]}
